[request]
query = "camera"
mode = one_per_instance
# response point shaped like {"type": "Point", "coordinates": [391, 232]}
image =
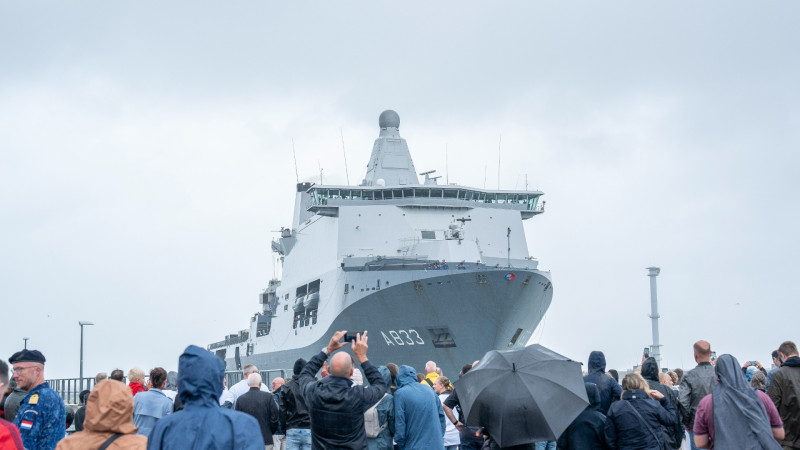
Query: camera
{"type": "Point", "coordinates": [647, 352]}
{"type": "Point", "coordinates": [753, 363]}
{"type": "Point", "coordinates": [350, 337]}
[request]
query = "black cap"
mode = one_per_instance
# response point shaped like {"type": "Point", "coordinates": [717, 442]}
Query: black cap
{"type": "Point", "coordinates": [27, 356]}
{"type": "Point", "coordinates": [298, 366]}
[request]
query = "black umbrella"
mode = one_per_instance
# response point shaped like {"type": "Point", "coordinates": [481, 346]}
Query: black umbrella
{"type": "Point", "coordinates": [522, 396]}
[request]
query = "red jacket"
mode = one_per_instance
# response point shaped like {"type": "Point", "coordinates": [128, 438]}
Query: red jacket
{"type": "Point", "coordinates": [136, 388]}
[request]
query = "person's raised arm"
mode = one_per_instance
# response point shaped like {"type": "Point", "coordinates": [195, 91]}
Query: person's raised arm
{"type": "Point", "coordinates": [377, 386]}
{"type": "Point", "coordinates": [314, 364]}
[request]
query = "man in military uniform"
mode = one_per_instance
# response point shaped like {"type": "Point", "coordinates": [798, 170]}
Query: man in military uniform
{"type": "Point", "coordinates": [41, 418]}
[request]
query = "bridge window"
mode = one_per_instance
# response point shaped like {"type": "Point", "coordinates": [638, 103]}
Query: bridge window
{"type": "Point", "coordinates": [428, 234]}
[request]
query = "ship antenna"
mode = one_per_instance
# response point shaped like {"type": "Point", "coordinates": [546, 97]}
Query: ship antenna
{"type": "Point", "coordinates": [320, 172]}
{"type": "Point", "coordinates": [484, 176]}
{"type": "Point", "coordinates": [508, 251]}
{"type": "Point", "coordinates": [446, 166]}
{"type": "Point", "coordinates": [346, 173]}
{"type": "Point", "coordinates": [498, 160]}
{"type": "Point", "coordinates": [296, 176]}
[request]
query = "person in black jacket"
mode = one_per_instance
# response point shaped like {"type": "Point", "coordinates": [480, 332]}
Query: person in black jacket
{"type": "Point", "coordinates": [294, 418]}
{"type": "Point", "coordinates": [635, 422]}
{"type": "Point", "coordinates": [80, 414]}
{"type": "Point", "coordinates": [609, 388]}
{"type": "Point", "coordinates": [260, 405]}
{"type": "Point", "coordinates": [337, 406]}
{"type": "Point", "coordinates": [587, 431]}
{"type": "Point", "coordinates": [673, 436]}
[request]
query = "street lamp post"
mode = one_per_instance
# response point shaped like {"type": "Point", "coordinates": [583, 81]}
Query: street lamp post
{"type": "Point", "coordinates": [82, 323]}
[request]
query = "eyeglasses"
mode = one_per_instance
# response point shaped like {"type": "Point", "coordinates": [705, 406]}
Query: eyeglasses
{"type": "Point", "coordinates": [20, 369]}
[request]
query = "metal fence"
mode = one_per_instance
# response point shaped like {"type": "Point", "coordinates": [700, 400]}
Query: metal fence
{"type": "Point", "coordinates": [69, 388]}
{"type": "Point", "coordinates": [234, 376]}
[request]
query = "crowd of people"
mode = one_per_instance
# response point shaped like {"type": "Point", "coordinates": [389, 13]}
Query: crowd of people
{"type": "Point", "coordinates": [341, 400]}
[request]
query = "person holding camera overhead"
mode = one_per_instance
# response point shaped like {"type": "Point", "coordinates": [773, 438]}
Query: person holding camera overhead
{"type": "Point", "coordinates": [336, 406]}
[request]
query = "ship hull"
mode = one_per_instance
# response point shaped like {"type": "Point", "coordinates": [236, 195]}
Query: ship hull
{"type": "Point", "coordinates": [452, 319]}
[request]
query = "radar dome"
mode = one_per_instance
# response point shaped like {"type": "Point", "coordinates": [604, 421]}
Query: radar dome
{"type": "Point", "coordinates": [389, 119]}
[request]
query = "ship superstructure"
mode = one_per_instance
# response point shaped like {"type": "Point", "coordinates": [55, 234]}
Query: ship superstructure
{"type": "Point", "coordinates": [432, 272]}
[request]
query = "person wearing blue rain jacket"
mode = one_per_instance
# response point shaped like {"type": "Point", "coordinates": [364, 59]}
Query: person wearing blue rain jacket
{"type": "Point", "coordinates": [418, 415]}
{"type": "Point", "coordinates": [385, 415]}
{"type": "Point", "coordinates": [610, 390]}
{"type": "Point", "coordinates": [202, 424]}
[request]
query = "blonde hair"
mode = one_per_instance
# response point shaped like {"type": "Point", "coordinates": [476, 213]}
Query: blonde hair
{"type": "Point", "coordinates": [633, 381]}
{"type": "Point", "coordinates": [674, 377]}
{"type": "Point", "coordinates": [135, 374]}
{"type": "Point", "coordinates": [445, 382]}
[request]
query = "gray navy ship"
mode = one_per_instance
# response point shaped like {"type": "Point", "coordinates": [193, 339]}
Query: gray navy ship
{"type": "Point", "coordinates": [432, 272]}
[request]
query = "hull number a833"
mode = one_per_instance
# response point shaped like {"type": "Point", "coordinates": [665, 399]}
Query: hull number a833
{"type": "Point", "coordinates": [402, 337]}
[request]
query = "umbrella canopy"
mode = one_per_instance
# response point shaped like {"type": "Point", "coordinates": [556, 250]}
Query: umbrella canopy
{"type": "Point", "coordinates": [522, 396]}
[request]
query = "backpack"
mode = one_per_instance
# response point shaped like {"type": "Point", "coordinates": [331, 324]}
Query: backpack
{"type": "Point", "coordinates": [372, 422]}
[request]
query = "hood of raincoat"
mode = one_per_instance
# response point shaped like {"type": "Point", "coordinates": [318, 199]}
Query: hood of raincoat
{"type": "Point", "coordinates": [406, 375]}
{"type": "Point", "coordinates": [199, 387]}
{"type": "Point", "coordinates": [172, 380]}
{"type": "Point", "coordinates": [385, 374]}
{"type": "Point", "coordinates": [593, 393]}
{"type": "Point", "coordinates": [110, 409]}
{"type": "Point", "coordinates": [740, 420]}
{"type": "Point", "coordinates": [597, 362]}
{"type": "Point", "coordinates": [200, 375]}
{"type": "Point", "coordinates": [650, 369]}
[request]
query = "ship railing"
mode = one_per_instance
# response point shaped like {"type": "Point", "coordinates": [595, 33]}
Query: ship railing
{"type": "Point", "coordinates": [69, 388]}
{"type": "Point", "coordinates": [234, 376]}
{"type": "Point", "coordinates": [229, 341]}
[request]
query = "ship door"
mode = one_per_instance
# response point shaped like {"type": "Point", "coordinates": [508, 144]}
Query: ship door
{"type": "Point", "coordinates": [238, 359]}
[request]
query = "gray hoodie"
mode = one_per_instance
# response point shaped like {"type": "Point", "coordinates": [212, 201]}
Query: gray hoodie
{"type": "Point", "coordinates": [13, 400]}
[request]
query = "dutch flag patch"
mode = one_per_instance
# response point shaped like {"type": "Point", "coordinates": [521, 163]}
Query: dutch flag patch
{"type": "Point", "coordinates": [26, 424]}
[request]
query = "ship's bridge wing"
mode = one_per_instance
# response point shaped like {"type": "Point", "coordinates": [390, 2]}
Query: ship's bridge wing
{"type": "Point", "coordinates": [325, 200]}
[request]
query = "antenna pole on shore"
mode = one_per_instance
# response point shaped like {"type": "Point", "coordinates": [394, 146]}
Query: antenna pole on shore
{"type": "Point", "coordinates": [654, 316]}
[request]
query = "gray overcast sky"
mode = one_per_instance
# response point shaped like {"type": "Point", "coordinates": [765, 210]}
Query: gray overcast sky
{"type": "Point", "coordinates": [146, 158]}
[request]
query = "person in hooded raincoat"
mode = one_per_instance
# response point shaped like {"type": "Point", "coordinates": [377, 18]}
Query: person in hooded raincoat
{"type": "Point", "coordinates": [418, 415]}
{"type": "Point", "coordinates": [610, 390]}
{"type": "Point", "coordinates": [735, 415]}
{"type": "Point", "coordinates": [202, 424]}
{"type": "Point", "coordinates": [586, 432]}
{"type": "Point", "coordinates": [109, 411]}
